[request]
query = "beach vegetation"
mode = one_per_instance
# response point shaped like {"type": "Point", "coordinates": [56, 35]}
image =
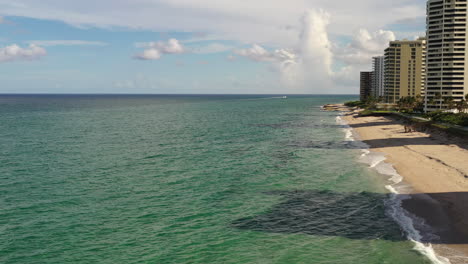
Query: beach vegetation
{"type": "Point", "coordinates": [449, 102]}
{"type": "Point", "coordinates": [372, 102]}
{"type": "Point", "coordinates": [462, 106]}
{"type": "Point", "coordinates": [410, 104]}
{"type": "Point", "coordinates": [355, 104]}
{"type": "Point", "coordinates": [459, 119]}
{"type": "Point", "coordinates": [438, 99]}
{"type": "Point", "coordinates": [369, 112]}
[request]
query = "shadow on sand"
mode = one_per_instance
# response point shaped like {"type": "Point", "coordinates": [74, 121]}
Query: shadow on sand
{"type": "Point", "coordinates": [436, 136]}
{"type": "Point", "coordinates": [351, 215]}
{"type": "Point", "coordinates": [371, 124]}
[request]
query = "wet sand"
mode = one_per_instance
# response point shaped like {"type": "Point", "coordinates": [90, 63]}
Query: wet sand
{"type": "Point", "coordinates": [436, 166]}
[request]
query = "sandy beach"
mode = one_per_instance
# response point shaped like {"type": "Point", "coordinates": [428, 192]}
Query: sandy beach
{"type": "Point", "coordinates": [436, 166]}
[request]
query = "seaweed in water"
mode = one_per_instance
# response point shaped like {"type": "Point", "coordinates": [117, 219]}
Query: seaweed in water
{"type": "Point", "coordinates": [325, 213]}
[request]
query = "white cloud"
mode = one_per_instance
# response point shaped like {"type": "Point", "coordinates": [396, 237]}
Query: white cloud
{"type": "Point", "coordinates": [364, 46]}
{"type": "Point", "coordinates": [315, 50]}
{"type": "Point", "coordinates": [244, 21]}
{"type": "Point", "coordinates": [212, 48]}
{"type": "Point", "coordinates": [314, 59]}
{"type": "Point", "coordinates": [172, 46]}
{"type": "Point", "coordinates": [48, 43]}
{"type": "Point", "coordinates": [309, 67]}
{"type": "Point", "coordinates": [16, 53]}
{"type": "Point", "coordinates": [260, 54]}
{"type": "Point", "coordinates": [149, 54]}
{"type": "Point", "coordinates": [372, 42]}
{"type": "Point", "coordinates": [200, 37]}
{"type": "Point", "coordinates": [155, 50]}
{"type": "Point", "coordinates": [357, 55]}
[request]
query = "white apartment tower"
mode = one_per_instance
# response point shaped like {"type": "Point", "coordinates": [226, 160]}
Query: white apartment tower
{"type": "Point", "coordinates": [378, 68]}
{"type": "Point", "coordinates": [446, 52]}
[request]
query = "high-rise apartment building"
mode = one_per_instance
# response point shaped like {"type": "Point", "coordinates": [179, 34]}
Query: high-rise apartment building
{"type": "Point", "coordinates": [405, 69]}
{"type": "Point", "coordinates": [446, 52]}
{"type": "Point", "coordinates": [378, 68]}
{"type": "Point", "coordinates": [366, 85]}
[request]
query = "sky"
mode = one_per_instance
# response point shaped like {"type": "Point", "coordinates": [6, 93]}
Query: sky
{"type": "Point", "coordinates": [197, 46]}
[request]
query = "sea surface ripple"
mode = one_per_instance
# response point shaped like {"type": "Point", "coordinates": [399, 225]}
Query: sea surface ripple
{"type": "Point", "coordinates": [188, 179]}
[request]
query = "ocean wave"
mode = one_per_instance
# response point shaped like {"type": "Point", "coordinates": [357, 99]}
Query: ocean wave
{"type": "Point", "coordinates": [406, 220]}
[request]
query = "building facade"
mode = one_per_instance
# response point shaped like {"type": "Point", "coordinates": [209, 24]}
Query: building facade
{"type": "Point", "coordinates": [405, 69]}
{"type": "Point", "coordinates": [378, 68]}
{"type": "Point", "coordinates": [446, 52]}
{"type": "Point", "coordinates": [366, 85]}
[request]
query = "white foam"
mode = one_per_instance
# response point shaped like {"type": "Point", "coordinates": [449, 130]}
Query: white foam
{"type": "Point", "coordinates": [394, 206]}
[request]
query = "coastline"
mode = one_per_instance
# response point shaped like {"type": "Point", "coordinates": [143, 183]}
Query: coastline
{"type": "Point", "coordinates": [434, 171]}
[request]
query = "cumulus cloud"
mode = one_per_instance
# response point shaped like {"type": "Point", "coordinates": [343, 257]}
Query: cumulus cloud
{"type": "Point", "coordinates": [364, 46]}
{"type": "Point", "coordinates": [372, 42]}
{"type": "Point", "coordinates": [16, 53]}
{"type": "Point", "coordinates": [309, 67]}
{"type": "Point", "coordinates": [149, 54]}
{"type": "Point", "coordinates": [244, 21]}
{"type": "Point", "coordinates": [260, 54]}
{"type": "Point", "coordinates": [49, 43]}
{"type": "Point", "coordinates": [247, 22]}
{"type": "Point", "coordinates": [315, 52]}
{"type": "Point", "coordinates": [284, 61]}
{"type": "Point", "coordinates": [155, 50]}
{"type": "Point", "coordinates": [357, 55]}
{"type": "Point", "coordinates": [212, 48]}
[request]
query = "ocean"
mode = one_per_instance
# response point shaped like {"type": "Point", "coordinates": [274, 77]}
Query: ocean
{"type": "Point", "coordinates": [189, 179]}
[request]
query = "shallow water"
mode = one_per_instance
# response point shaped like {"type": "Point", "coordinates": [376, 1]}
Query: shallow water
{"type": "Point", "coordinates": [188, 179]}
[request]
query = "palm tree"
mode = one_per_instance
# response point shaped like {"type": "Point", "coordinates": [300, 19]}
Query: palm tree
{"type": "Point", "coordinates": [465, 104]}
{"type": "Point", "coordinates": [461, 106]}
{"type": "Point", "coordinates": [401, 104]}
{"type": "Point", "coordinates": [449, 102]}
{"type": "Point", "coordinates": [371, 102]}
{"type": "Point", "coordinates": [438, 97]}
{"type": "Point", "coordinates": [419, 103]}
{"type": "Point", "coordinates": [431, 101]}
{"type": "Point", "coordinates": [411, 103]}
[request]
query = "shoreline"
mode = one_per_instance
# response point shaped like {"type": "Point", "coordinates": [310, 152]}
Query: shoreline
{"type": "Point", "coordinates": [435, 168]}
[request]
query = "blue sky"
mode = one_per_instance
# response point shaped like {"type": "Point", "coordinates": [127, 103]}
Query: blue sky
{"type": "Point", "coordinates": [219, 49]}
{"type": "Point", "coordinates": [108, 66]}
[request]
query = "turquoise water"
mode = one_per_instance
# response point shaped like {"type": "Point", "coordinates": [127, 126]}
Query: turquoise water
{"type": "Point", "coordinates": [187, 179]}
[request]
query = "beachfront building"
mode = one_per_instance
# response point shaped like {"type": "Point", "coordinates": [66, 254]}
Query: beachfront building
{"type": "Point", "coordinates": [378, 69]}
{"type": "Point", "coordinates": [405, 69]}
{"type": "Point", "coordinates": [446, 52]}
{"type": "Point", "coordinates": [366, 85]}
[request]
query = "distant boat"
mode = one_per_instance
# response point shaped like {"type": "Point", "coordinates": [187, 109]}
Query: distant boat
{"type": "Point", "coordinates": [285, 97]}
